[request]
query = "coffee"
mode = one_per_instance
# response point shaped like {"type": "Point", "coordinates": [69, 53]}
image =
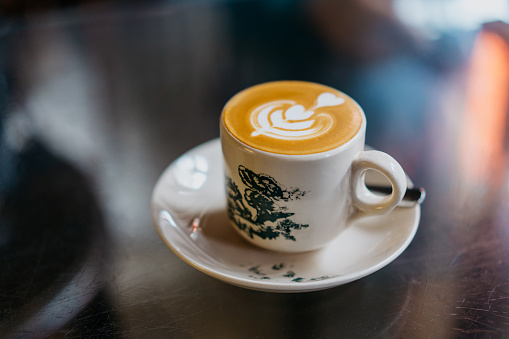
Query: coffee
{"type": "Point", "coordinates": [292, 117]}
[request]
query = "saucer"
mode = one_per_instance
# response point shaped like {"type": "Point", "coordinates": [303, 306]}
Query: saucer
{"type": "Point", "coordinates": [189, 211]}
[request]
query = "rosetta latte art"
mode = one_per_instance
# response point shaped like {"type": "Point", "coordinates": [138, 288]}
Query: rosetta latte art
{"type": "Point", "coordinates": [286, 119]}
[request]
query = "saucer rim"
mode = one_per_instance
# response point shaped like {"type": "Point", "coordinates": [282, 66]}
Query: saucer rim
{"type": "Point", "coordinates": [271, 286]}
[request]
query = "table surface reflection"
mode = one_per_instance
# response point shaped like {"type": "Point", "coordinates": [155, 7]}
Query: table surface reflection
{"type": "Point", "coordinates": [98, 98]}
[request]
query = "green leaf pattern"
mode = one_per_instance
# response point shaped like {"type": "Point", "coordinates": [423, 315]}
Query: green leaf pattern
{"type": "Point", "coordinates": [260, 210]}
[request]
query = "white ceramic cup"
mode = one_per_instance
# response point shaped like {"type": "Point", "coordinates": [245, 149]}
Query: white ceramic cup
{"type": "Point", "coordinates": [302, 202]}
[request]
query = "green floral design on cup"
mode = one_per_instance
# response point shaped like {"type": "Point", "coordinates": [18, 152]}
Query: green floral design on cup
{"type": "Point", "coordinates": [259, 211]}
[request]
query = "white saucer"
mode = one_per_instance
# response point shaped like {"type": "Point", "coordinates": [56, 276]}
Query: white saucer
{"type": "Point", "coordinates": [188, 207]}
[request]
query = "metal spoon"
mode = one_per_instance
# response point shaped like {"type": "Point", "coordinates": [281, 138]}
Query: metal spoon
{"type": "Point", "coordinates": [413, 196]}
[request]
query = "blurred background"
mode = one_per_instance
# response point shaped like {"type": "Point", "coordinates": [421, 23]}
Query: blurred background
{"type": "Point", "coordinates": [98, 97]}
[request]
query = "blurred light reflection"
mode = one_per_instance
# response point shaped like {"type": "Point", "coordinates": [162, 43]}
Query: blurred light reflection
{"type": "Point", "coordinates": [482, 139]}
{"type": "Point", "coordinates": [191, 171]}
{"type": "Point", "coordinates": [438, 15]}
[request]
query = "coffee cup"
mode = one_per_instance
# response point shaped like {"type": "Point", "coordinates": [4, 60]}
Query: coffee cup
{"type": "Point", "coordinates": [295, 165]}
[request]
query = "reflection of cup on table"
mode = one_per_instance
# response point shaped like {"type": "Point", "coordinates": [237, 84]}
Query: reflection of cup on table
{"type": "Point", "coordinates": [295, 165]}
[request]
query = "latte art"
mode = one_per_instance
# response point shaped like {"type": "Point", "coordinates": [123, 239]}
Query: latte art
{"type": "Point", "coordinates": [285, 119]}
{"type": "Point", "coordinates": [292, 117]}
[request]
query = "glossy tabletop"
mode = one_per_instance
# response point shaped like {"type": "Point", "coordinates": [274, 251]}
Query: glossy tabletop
{"type": "Point", "coordinates": [97, 98]}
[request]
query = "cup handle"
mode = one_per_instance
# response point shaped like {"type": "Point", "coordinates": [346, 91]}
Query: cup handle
{"type": "Point", "coordinates": [362, 198]}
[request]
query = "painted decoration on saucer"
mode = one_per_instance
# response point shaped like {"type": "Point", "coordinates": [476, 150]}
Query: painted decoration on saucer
{"type": "Point", "coordinates": [259, 210]}
{"type": "Point", "coordinates": [282, 272]}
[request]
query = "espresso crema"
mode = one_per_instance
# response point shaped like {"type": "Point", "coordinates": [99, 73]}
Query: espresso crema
{"type": "Point", "coordinates": [292, 117]}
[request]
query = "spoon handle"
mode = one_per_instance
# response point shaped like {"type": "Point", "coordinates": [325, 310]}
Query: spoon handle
{"type": "Point", "coordinates": [415, 194]}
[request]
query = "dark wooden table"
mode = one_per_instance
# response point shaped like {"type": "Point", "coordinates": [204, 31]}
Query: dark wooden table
{"type": "Point", "coordinates": [97, 99]}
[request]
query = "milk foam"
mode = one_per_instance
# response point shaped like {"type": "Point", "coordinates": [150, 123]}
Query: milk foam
{"type": "Point", "coordinates": [292, 117]}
